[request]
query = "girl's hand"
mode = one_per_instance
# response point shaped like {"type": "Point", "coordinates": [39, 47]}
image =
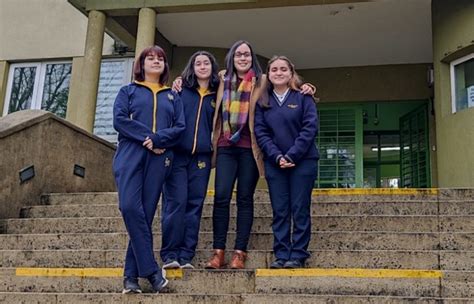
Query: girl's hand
{"type": "Point", "coordinates": [285, 164]}
{"type": "Point", "coordinates": [148, 143]}
{"type": "Point", "coordinates": [308, 89]}
{"type": "Point", "coordinates": [177, 84]}
{"type": "Point", "coordinates": [159, 151]}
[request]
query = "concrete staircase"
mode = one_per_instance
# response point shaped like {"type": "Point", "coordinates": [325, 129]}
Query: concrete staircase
{"type": "Point", "coordinates": [368, 246]}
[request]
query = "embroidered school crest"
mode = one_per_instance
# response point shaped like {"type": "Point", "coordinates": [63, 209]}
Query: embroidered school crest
{"type": "Point", "coordinates": [201, 164]}
{"type": "Point", "coordinates": [292, 106]}
{"type": "Point", "coordinates": [213, 103]}
{"type": "Point", "coordinates": [170, 97]}
{"type": "Point", "coordinates": [167, 162]}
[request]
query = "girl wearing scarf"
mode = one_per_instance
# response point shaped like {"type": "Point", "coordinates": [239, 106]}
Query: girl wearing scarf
{"type": "Point", "coordinates": [236, 154]}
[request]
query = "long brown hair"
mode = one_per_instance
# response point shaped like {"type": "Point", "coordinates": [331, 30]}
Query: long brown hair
{"type": "Point", "coordinates": [139, 71]}
{"type": "Point", "coordinates": [294, 83]}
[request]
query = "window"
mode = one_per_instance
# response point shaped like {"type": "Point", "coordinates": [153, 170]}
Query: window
{"type": "Point", "coordinates": [42, 85]}
{"type": "Point", "coordinates": [114, 73]}
{"type": "Point", "coordinates": [462, 83]}
{"type": "Point", "coordinates": [338, 144]}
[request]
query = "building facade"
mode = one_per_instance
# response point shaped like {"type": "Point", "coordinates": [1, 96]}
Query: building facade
{"type": "Point", "coordinates": [395, 78]}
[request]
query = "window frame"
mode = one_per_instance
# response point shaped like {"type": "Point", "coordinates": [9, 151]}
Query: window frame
{"type": "Point", "coordinates": [452, 67]}
{"type": "Point", "coordinates": [38, 87]}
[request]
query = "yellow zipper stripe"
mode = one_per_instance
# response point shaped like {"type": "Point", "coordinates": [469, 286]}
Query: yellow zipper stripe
{"type": "Point", "coordinates": [351, 273]}
{"type": "Point", "coordinates": [196, 127]}
{"type": "Point", "coordinates": [83, 272]}
{"type": "Point", "coordinates": [155, 101]}
{"type": "Point", "coordinates": [155, 106]}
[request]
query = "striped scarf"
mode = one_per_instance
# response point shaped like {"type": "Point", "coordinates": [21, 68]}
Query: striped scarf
{"type": "Point", "coordinates": [235, 109]}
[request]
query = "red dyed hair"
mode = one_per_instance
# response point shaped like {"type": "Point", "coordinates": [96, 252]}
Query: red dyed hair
{"type": "Point", "coordinates": [139, 72]}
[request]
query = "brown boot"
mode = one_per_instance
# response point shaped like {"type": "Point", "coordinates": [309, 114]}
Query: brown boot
{"type": "Point", "coordinates": [238, 260]}
{"type": "Point", "coordinates": [217, 261]}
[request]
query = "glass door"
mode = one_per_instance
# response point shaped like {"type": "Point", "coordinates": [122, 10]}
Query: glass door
{"type": "Point", "coordinates": [414, 149]}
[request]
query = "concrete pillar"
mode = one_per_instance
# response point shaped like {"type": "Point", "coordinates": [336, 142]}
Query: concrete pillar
{"type": "Point", "coordinates": [75, 91]}
{"type": "Point", "coordinates": [146, 29]}
{"type": "Point", "coordinates": [4, 66]}
{"type": "Point", "coordinates": [84, 106]}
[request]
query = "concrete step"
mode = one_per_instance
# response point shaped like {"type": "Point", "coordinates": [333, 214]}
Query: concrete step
{"type": "Point", "coordinates": [262, 196]}
{"type": "Point", "coordinates": [407, 283]}
{"type": "Point", "coordinates": [319, 195]}
{"type": "Point", "coordinates": [458, 284]}
{"type": "Point", "coordinates": [333, 240]}
{"type": "Point", "coordinates": [265, 209]}
{"type": "Point", "coordinates": [79, 298]}
{"type": "Point", "coordinates": [405, 223]}
{"type": "Point", "coordinates": [389, 259]}
{"type": "Point", "coordinates": [191, 282]}
{"type": "Point", "coordinates": [453, 284]}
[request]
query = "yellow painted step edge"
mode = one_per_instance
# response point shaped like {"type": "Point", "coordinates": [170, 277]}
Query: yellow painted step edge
{"type": "Point", "coordinates": [351, 273]}
{"type": "Point", "coordinates": [84, 272]}
{"type": "Point", "coordinates": [377, 191]}
{"type": "Point", "coordinates": [178, 273]}
{"type": "Point", "coordinates": [372, 191]}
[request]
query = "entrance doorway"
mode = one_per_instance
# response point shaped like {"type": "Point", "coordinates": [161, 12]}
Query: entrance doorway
{"type": "Point", "coordinates": [374, 145]}
{"type": "Point", "coordinates": [382, 159]}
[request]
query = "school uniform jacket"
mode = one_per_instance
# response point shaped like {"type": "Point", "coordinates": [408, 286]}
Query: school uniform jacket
{"type": "Point", "coordinates": [199, 112]}
{"type": "Point", "coordinates": [139, 113]}
{"type": "Point", "coordinates": [288, 130]}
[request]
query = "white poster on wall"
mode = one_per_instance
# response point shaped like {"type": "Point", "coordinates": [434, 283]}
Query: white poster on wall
{"type": "Point", "coordinates": [470, 96]}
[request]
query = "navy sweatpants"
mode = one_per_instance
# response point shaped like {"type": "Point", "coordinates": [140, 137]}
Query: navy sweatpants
{"type": "Point", "coordinates": [290, 194]}
{"type": "Point", "coordinates": [183, 198]}
{"type": "Point", "coordinates": [140, 174]}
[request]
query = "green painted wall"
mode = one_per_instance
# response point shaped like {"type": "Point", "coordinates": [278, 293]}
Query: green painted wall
{"type": "Point", "coordinates": [453, 30]}
{"type": "Point", "coordinates": [388, 115]}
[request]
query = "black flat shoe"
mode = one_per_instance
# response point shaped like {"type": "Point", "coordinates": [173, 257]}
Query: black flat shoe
{"type": "Point", "coordinates": [292, 264]}
{"type": "Point", "coordinates": [277, 264]}
{"type": "Point", "coordinates": [130, 285]}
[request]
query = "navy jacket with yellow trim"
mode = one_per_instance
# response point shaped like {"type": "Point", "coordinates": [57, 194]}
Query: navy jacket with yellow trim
{"type": "Point", "coordinates": [139, 114]}
{"type": "Point", "coordinates": [198, 112]}
{"type": "Point", "coordinates": [288, 130]}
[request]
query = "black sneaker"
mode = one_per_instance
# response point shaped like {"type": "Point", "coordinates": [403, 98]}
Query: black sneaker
{"type": "Point", "coordinates": [171, 264]}
{"type": "Point", "coordinates": [185, 264]}
{"type": "Point", "coordinates": [277, 264]}
{"type": "Point", "coordinates": [291, 264]}
{"type": "Point", "coordinates": [130, 285]}
{"type": "Point", "coordinates": [157, 281]}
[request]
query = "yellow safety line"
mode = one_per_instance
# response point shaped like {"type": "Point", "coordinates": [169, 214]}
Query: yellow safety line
{"type": "Point", "coordinates": [351, 273]}
{"type": "Point", "coordinates": [306, 272]}
{"type": "Point", "coordinates": [83, 272]}
{"type": "Point", "coordinates": [371, 191]}
{"type": "Point", "coordinates": [376, 191]}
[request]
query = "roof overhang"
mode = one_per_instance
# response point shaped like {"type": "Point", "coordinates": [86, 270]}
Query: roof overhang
{"type": "Point", "coordinates": [314, 34]}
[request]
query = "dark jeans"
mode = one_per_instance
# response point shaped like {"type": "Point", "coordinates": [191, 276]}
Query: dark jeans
{"type": "Point", "coordinates": [234, 163]}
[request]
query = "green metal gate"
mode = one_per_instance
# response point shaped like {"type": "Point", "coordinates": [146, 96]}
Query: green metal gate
{"type": "Point", "coordinates": [340, 145]}
{"type": "Point", "coordinates": [414, 149]}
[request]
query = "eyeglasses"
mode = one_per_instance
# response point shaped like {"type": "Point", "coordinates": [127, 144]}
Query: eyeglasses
{"type": "Point", "coordinates": [238, 54]}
